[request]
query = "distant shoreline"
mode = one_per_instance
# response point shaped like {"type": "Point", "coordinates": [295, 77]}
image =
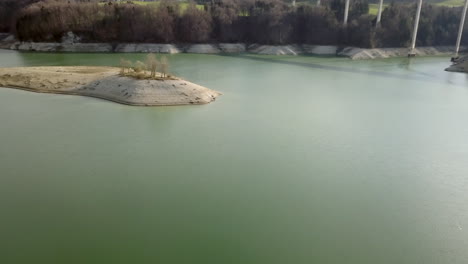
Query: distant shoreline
{"type": "Point", "coordinates": [353, 53]}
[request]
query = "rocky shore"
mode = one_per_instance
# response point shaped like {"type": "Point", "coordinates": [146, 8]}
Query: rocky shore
{"type": "Point", "coordinates": [106, 83]}
{"type": "Point", "coordinates": [72, 44]}
{"type": "Point", "coordinates": [459, 65]}
{"type": "Point", "coordinates": [383, 53]}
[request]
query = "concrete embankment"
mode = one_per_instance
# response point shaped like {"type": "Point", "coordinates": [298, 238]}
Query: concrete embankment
{"type": "Point", "coordinates": [69, 44]}
{"type": "Point", "coordinates": [125, 47]}
{"type": "Point", "coordinates": [382, 53]}
{"type": "Point", "coordinates": [459, 65]}
{"type": "Point", "coordinates": [170, 48]}
{"type": "Point", "coordinates": [106, 83]}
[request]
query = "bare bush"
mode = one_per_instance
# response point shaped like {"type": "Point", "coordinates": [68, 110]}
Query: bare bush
{"type": "Point", "coordinates": [164, 67]}
{"type": "Point", "coordinates": [152, 64]}
{"type": "Point", "coordinates": [139, 67]}
{"type": "Point", "coordinates": [125, 66]}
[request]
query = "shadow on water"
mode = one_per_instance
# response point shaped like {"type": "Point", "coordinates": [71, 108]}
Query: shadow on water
{"type": "Point", "coordinates": [406, 63]}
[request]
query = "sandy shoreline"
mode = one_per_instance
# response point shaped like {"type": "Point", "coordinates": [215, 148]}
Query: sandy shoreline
{"type": "Point", "coordinates": [106, 83]}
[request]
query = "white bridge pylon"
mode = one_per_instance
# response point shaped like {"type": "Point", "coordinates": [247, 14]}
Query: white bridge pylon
{"type": "Point", "coordinates": [415, 30]}
{"type": "Point", "coordinates": [460, 30]}
{"type": "Point", "coordinates": [346, 10]}
{"type": "Point", "coordinates": [379, 13]}
{"type": "Point", "coordinates": [416, 24]}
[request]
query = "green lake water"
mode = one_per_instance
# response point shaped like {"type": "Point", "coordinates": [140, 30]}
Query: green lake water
{"type": "Point", "coordinates": [302, 160]}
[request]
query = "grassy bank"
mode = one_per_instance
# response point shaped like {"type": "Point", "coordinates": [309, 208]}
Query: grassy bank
{"type": "Point", "coordinates": [451, 3]}
{"type": "Point", "coordinates": [374, 8]}
{"type": "Point", "coordinates": [183, 5]}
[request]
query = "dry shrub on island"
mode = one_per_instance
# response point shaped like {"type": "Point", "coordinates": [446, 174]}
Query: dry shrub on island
{"type": "Point", "coordinates": [147, 70]}
{"type": "Point", "coordinates": [152, 64]}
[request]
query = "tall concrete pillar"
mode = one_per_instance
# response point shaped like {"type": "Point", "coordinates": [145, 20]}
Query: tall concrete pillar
{"type": "Point", "coordinates": [415, 30]}
{"type": "Point", "coordinates": [379, 13]}
{"type": "Point", "coordinates": [346, 10]}
{"type": "Point", "coordinates": [460, 29]}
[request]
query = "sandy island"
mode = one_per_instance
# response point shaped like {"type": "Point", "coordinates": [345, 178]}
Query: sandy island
{"type": "Point", "coordinates": [106, 83]}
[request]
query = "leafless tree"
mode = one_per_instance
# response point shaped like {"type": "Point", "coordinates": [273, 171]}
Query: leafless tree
{"type": "Point", "coordinates": [195, 25]}
{"type": "Point", "coordinates": [125, 66]}
{"type": "Point", "coordinates": [164, 67]}
{"type": "Point", "coordinates": [152, 64]}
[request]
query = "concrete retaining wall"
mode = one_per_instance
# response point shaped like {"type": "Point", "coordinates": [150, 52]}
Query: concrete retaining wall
{"type": "Point", "coordinates": [351, 52]}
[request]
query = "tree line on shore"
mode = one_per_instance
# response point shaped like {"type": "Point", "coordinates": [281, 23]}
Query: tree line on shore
{"type": "Point", "coordinates": [274, 22]}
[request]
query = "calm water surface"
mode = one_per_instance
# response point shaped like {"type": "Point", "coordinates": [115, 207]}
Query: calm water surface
{"type": "Point", "coordinates": [302, 160]}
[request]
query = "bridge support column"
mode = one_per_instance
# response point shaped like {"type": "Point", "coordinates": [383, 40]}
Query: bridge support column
{"type": "Point", "coordinates": [346, 10]}
{"type": "Point", "coordinates": [460, 30]}
{"type": "Point", "coordinates": [415, 30]}
{"type": "Point", "coordinates": [379, 13]}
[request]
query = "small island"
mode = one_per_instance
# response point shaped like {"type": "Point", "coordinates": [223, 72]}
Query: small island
{"type": "Point", "coordinates": [131, 84]}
